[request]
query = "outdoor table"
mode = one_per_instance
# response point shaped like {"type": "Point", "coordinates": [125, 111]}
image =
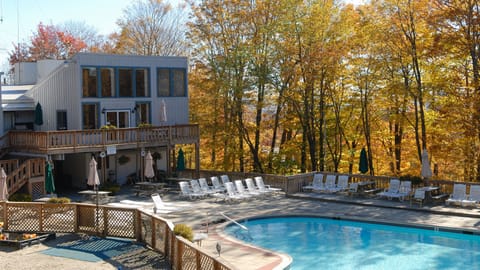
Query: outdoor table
{"type": "Point", "coordinates": [173, 181]}
{"type": "Point", "coordinates": [91, 195]}
{"type": "Point", "coordinates": [429, 193]}
{"type": "Point", "coordinates": [367, 187]}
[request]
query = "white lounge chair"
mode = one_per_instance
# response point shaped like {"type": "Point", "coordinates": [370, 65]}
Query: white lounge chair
{"type": "Point", "coordinates": [160, 207]}
{"type": "Point", "coordinates": [392, 190]}
{"type": "Point", "coordinates": [205, 187]}
{"type": "Point", "coordinates": [418, 197]}
{"type": "Point", "coordinates": [459, 194]}
{"type": "Point", "coordinates": [265, 188]}
{"type": "Point", "coordinates": [473, 197]}
{"type": "Point", "coordinates": [317, 183]}
{"type": "Point", "coordinates": [342, 183]}
{"type": "Point", "coordinates": [196, 188]}
{"type": "Point", "coordinates": [404, 191]}
{"type": "Point", "coordinates": [352, 189]}
{"type": "Point", "coordinates": [185, 191]}
{"type": "Point", "coordinates": [224, 178]}
{"type": "Point", "coordinates": [216, 184]}
{"type": "Point", "coordinates": [241, 189]}
{"type": "Point", "coordinates": [252, 189]}
{"type": "Point", "coordinates": [331, 183]}
{"type": "Point", "coordinates": [232, 194]}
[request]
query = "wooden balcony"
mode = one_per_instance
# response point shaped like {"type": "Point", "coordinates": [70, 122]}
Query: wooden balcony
{"type": "Point", "coordinates": [78, 141]}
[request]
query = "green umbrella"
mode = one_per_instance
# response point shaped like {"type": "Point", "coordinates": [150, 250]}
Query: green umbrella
{"type": "Point", "coordinates": [180, 160]}
{"type": "Point", "coordinates": [363, 166]}
{"type": "Point", "coordinates": [38, 115]}
{"type": "Point", "coordinates": [49, 184]}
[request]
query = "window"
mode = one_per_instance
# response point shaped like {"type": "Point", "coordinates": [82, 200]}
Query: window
{"type": "Point", "coordinates": [89, 76]}
{"type": "Point", "coordinates": [141, 83]}
{"type": "Point", "coordinates": [171, 82]}
{"type": "Point", "coordinates": [61, 120]}
{"type": "Point", "coordinates": [90, 116]}
{"type": "Point", "coordinates": [179, 82]}
{"type": "Point", "coordinates": [107, 82]}
{"type": "Point", "coordinates": [125, 82]}
{"type": "Point", "coordinates": [143, 113]}
{"type": "Point", "coordinates": [163, 77]}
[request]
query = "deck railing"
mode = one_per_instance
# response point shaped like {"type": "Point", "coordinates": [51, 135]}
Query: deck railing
{"type": "Point", "coordinates": [52, 142]}
{"type": "Point", "coordinates": [105, 221]}
{"type": "Point", "coordinates": [19, 174]}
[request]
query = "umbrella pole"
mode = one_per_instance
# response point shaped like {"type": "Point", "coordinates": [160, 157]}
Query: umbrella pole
{"type": "Point", "coordinates": [96, 212]}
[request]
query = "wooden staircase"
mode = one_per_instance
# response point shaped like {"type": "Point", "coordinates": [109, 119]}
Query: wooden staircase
{"type": "Point", "coordinates": [20, 174]}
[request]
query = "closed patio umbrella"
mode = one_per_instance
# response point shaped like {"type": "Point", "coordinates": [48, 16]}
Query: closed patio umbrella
{"type": "Point", "coordinates": [49, 183]}
{"type": "Point", "coordinates": [93, 178]}
{"type": "Point", "coordinates": [149, 172]}
{"type": "Point", "coordinates": [163, 111]}
{"type": "Point", "coordinates": [38, 116]}
{"type": "Point", "coordinates": [3, 185]}
{"type": "Point", "coordinates": [363, 164]}
{"type": "Point", "coordinates": [180, 160]}
{"type": "Point", "coordinates": [426, 170]}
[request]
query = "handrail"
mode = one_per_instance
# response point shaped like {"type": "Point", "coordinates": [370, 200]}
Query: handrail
{"type": "Point", "coordinates": [236, 223]}
{"type": "Point", "coordinates": [82, 140]}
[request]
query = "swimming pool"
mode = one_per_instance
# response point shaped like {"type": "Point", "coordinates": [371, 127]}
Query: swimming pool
{"type": "Point", "coordinates": [324, 243]}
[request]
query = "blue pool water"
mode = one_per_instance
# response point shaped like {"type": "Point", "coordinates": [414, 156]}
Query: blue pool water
{"type": "Point", "coordinates": [322, 243]}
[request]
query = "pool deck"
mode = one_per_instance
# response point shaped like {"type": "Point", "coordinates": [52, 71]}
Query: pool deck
{"type": "Point", "coordinates": [245, 257]}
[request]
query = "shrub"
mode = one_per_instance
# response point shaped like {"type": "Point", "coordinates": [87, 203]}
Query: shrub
{"type": "Point", "coordinates": [108, 127]}
{"type": "Point", "coordinates": [184, 231]}
{"type": "Point", "coordinates": [145, 125]}
{"type": "Point", "coordinates": [20, 197]}
{"type": "Point", "coordinates": [59, 200]}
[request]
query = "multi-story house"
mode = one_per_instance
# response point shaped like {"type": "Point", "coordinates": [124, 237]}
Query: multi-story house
{"type": "Point", "coordinates": [112, 107]}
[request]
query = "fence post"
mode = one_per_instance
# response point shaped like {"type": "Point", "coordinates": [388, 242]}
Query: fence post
{"type": "Point", "coordinates": [5, 215]}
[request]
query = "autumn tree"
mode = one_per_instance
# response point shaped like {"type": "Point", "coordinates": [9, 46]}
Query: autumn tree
{"type": "Point", "coordinates": [152, 27]}
{"type": "Point", "coordinates": [47, 43]}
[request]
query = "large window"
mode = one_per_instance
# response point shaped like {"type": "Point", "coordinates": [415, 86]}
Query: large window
{"type": "Point", "coordinates": [179, 82]}
{"type": "Point", "coordinates": [115, 82]}
{"type": "Point", "coordinates": [125, 82]}
{"type": "Point", "coordinates": [89, 75]}
{"type": "Point", "coordinates": [171, 82]}
{"type": "Point", "coordinates": [90, 116]}
{"type": "Point", "coordinates": [163, 84]}
{"type": "Point", "coordinates": [142, 113]}
{"type": "Point", "coordinates": [141, 83]}
{"type": "Point", "coordinates": [108, 82]}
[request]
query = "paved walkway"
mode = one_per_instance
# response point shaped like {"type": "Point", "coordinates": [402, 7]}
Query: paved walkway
{"type": "Point", "coordinates": [240, 256]}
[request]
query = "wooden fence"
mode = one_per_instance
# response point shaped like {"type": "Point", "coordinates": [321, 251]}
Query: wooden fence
{"type": "Point", "coordinates": [105, 221]}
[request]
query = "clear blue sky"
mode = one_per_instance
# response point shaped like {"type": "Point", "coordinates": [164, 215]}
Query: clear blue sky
{"type": "Point", "coordinates": [21, 17]}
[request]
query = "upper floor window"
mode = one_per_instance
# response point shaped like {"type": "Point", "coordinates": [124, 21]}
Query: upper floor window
{"type": "Point", "coordinates": [107, 82]}
{"type": "Point", "coordinates": [171, 82]}
{"type": "Point", "coordinates": [115, 82]}
{"type": "Point", "coordinates": [89, 87]}
{"type": "Point", "coordinates": [141, 82]}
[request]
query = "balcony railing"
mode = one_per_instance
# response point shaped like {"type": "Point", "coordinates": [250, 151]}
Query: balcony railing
{"type": "Point", "coordinates": [58, 142]}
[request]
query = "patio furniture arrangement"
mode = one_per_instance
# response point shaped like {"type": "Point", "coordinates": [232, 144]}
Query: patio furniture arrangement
{"type": "Point", "coordinates": [397, 189]}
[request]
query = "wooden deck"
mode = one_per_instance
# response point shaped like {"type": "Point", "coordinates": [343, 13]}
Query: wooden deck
{"type": "Point", "coordinates": [79, 141]}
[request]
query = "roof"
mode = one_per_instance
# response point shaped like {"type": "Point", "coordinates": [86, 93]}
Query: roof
{"type": "Point", "coordinates": [14, 98]}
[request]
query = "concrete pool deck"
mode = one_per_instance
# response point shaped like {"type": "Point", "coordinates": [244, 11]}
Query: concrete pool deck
{"type": "Point", "coordinates": [246, 257]}
{"type": "Point", "coordinates": [241, 256]}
